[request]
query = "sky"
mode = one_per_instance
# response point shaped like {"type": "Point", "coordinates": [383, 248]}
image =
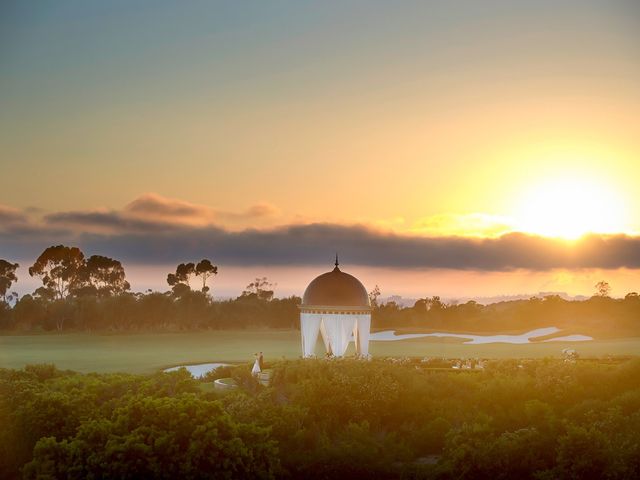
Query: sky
{"type": "Point", "coordinates": [458, 148]}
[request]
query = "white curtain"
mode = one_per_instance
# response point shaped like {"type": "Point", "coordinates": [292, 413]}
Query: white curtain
{"type": "Point", "coordinates": [325, 338]}
{"type": "Point", "coordinates": [356, 338]}
{"type": "Point", "coordinates": [361, 334]}
{"type": "Point", "coordinates": [309, 328]}
{"type": "Point", "coordinates": [336, 331]}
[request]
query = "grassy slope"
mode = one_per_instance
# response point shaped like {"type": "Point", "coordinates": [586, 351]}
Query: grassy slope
{"type": "Point", "coordinates": [141, 353]}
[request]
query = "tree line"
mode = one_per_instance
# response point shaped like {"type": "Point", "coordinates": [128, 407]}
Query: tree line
{"type": "Point", "coordinates": [524, 419]}
{"type": "Point", "coordinates": [92, 294]}
{"type": "Point", "coordinates": [598, 316]}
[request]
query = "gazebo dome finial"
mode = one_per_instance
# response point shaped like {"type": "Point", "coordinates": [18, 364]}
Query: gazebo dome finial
{"type": "Point", "coordinates": [337, 260]}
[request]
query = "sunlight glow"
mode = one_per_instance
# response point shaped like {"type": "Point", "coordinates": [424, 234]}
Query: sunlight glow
{"type": "Point", "coordinates": [569, 208]}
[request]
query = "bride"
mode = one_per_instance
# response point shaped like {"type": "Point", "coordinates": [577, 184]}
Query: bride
{"type": "Point", "coordinates": [256, 366]}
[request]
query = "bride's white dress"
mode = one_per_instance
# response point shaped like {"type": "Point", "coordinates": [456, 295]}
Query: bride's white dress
{"type": "Point", "coordinates": [256, 368]}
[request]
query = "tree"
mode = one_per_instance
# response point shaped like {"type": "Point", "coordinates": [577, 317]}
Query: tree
{"type": "Point", "coordinates": [373, 296]}
{"type": "Point", "coordinates": [7, 277]}
{"type": "Point", "coordinates": [182, 278]}
{"type": "Point", "coordinates": [583, 453]}
{"type": "Point", "coordinates": [421, 305]}
{"type": "Point", "coordinates": [436, 304]}
{"type": "Point", "coordinates": [104, 276]}
{"type": "Point", "coordinates": [165, 438]}
{"type": "Point", "coordinates": [59, 267]}
{"type": "Point", "coordinates": [603, 289]}
{"type": "Point", "coordinates": [205, 269]}
{"type": "Point", "coordinates": [260, 288]}
{"type": "Point", "coordinates": [429, 303]}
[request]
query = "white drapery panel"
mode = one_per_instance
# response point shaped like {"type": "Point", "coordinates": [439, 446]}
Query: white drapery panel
{"type": "Point", "coordinates": [309, 328]}
{"type": "Point", "coordinates": [338, 328]}
{"type": "Point", "coordinates": [361, 334]}
{"type": "Point", "coordinates": [356, 338]}
{"type": "Point", "coordinates": [325, 337]}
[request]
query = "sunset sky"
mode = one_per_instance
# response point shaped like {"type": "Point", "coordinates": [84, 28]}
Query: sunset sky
{"type": "Point", "coordinates": [463, 148]}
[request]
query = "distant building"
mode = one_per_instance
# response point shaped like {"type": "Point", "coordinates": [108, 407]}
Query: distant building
{"type": "Point", "coordinates": [336, 306]}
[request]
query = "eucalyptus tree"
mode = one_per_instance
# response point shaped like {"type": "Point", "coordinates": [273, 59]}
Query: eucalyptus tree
{"type": "Point", "coordinates": [7, 278]}
{"type": "Point", "coordinates": [180, 282]}
{"type": "Point", "coordinates": [205, 269]}
{"type": "Point", "coordinates": [59, 268]}
{"type": "Point", "coordinates": [260, 288]}
{"type": "Point", "coordinates": [104, 276]}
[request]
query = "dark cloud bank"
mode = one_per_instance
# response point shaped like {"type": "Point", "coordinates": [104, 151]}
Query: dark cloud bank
{"type": "Point", "coordinates": [316, 244]}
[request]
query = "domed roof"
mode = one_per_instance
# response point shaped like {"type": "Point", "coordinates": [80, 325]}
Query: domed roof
{"type": "Point", "coordinates": [336, 288]}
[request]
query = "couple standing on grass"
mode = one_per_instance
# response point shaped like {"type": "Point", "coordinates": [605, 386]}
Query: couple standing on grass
{"type": "Point", "coordinates": [258, 365]}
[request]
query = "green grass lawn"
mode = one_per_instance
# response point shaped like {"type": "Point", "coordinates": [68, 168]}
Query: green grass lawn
{"type": "Point", "coordinates": [141, 353]}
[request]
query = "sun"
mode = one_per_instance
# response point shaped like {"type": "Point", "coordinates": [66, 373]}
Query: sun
{"type": "Point", "coordinates": [569, 208]}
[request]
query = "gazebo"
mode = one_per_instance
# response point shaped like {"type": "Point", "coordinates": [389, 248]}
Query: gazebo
{"type": "Point", "coordinates": [335, 305]}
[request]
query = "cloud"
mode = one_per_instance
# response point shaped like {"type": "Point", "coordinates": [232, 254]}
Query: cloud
{"type": "Point", "coordinates": [315, 244]}
{"type": "Point", "coordinates": [152, 206]}
{"type": "Point", "coordinates": [258, 211]}
{"type": "Point", "coordinates": [153, 230]}
{"type": "Point", "coordinates": [105, 222]}
{"type": "Point", "coordinates": [470, 224]}
{"type": "Point", "coordinates": [11, 216]}
{"type": "Point", "coordinates": [151, 212]}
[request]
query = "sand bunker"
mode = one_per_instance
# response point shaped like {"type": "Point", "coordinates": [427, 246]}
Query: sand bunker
{"type": "Point", "coordinates": [390, 336]}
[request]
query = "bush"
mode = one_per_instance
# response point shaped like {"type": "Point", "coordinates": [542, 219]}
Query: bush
{"type": "Point", "coordinates": [323, 419]}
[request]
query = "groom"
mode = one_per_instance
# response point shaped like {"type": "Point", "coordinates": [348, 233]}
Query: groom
{"type": "Point", "coordinates": [261, 361]}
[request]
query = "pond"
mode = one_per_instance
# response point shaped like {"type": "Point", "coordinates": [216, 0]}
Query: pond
{"type": "Point", "coordinates": [199, 370]}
